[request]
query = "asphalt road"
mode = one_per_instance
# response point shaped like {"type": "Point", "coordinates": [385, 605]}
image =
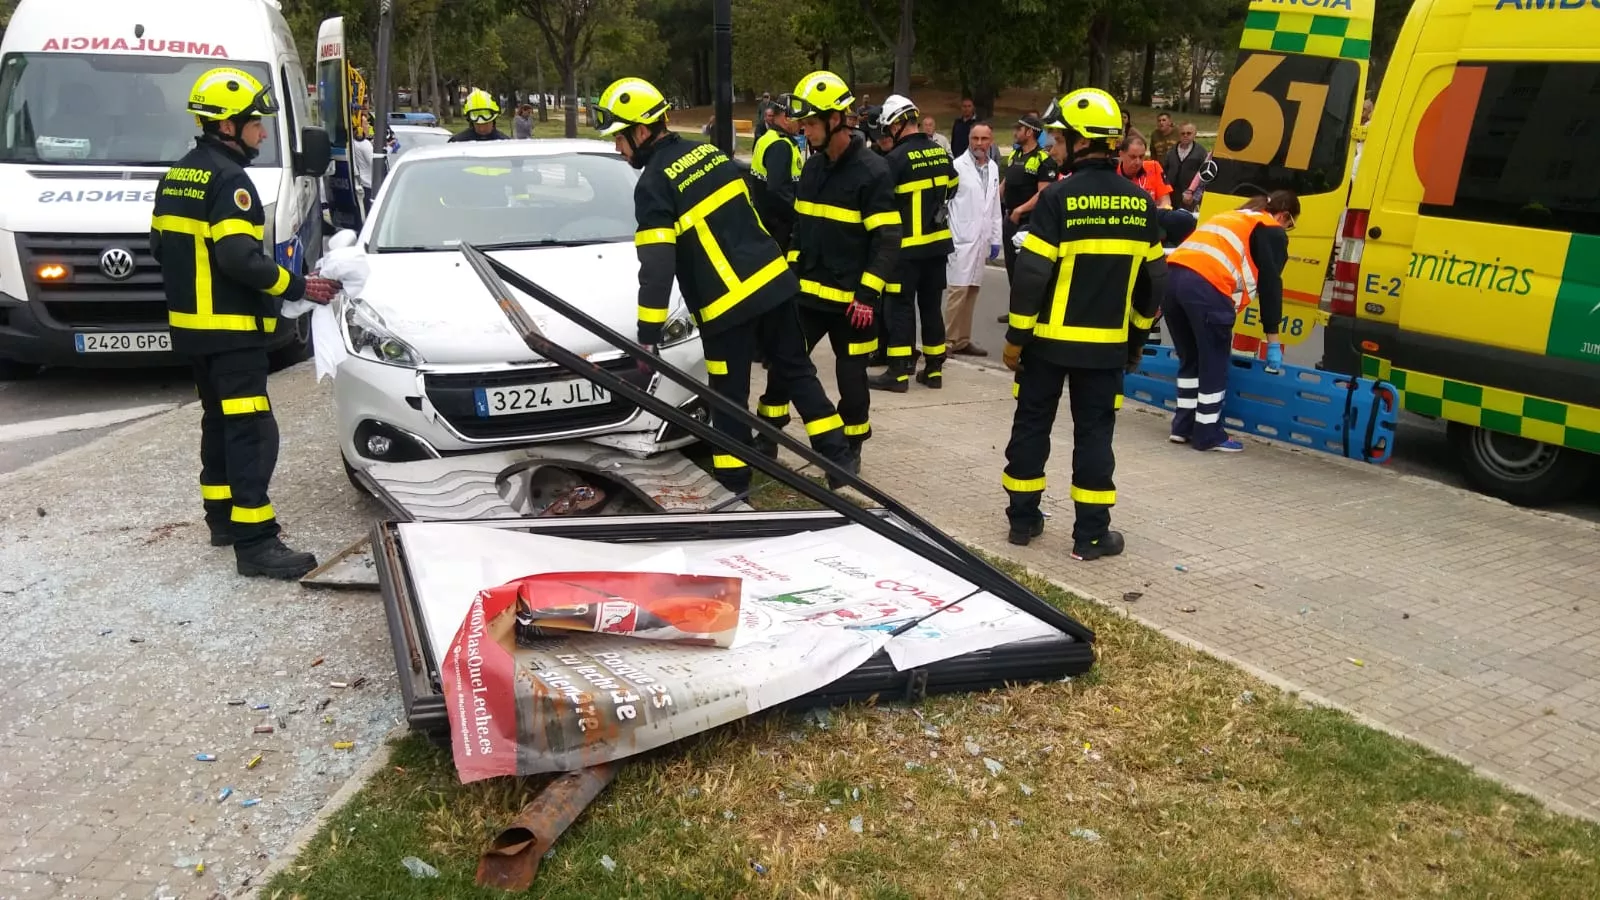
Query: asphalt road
{"type": "Point", "coordinates": [64, 408]}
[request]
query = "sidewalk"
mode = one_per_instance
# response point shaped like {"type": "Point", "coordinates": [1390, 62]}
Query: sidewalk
{"type": "Point", "coordinates": [1477, 624]}
{"type": "Point", "coordinates": [100, 790]}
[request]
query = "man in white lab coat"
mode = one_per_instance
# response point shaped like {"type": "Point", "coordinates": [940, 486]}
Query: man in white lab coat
{"type": "Point", "coordinates": [975, 227]}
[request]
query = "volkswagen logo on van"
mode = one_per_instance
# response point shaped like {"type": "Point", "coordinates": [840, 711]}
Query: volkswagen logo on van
{"type": "Point", "coordinates": [117, 263]}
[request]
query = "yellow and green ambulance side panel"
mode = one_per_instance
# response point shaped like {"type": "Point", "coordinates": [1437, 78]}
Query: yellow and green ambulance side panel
{"type": "Point", "coordinates": [1479, 290]}
{"type": "Point", "coordinates": [1290, 120]}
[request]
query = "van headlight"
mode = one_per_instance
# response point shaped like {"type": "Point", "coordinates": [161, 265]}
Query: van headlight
{"type": "Point", "coordinates": [366, 335]}
{"type": "Point", "coordinates": [679, 328]}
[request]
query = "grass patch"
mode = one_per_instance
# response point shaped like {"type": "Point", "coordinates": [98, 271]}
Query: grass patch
{"type": "Point", "coordinates": [1163, 772]}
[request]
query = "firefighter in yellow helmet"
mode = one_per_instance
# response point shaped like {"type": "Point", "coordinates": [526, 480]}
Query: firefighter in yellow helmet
{"type": "Point", "coordinates": [1089, 276]}
{"type": "Point", "coordinates": [224, 293]}
{"type": "Point", "coordinates": [696, 224]}
{"type": "Point", "coordinates": [482, 114]}
{"type": "Point", "coordinates": [845, 246]}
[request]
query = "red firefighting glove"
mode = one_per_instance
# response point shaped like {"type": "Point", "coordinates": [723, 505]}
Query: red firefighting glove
{"type": "Point", "coordinates": [322, 290]}
{"type": "Point", "coordinates": [860, 315]}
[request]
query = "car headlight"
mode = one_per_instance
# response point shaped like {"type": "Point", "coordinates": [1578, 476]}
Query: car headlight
{"type": "Point", "coordinates": [366, 335]}
{"type": "Point", "coordinates": [678, 329]}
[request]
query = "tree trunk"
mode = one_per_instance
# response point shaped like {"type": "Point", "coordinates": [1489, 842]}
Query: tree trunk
{"type": "Point", "coordinates": [850, 65]}
{"type": "Point", "coordinates": [905, 46]}
{"type": "Point", "coordinates": [569, 85]}
{"type": "Point", "coordinates": [1100, 52]}
{"type": "Point", "coordinates": [433, 73]}
{"type": "Point", "coordinates": [1147, 82]}
{"type": "Point", "coordinates": [825, 60]}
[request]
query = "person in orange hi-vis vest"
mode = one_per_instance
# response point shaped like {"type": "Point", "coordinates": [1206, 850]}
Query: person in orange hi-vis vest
{"type": "Point", "coordinates": [1234, 259]}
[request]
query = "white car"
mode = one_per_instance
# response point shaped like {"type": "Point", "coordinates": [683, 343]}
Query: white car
{"type": "Point", "coordinates": [434, 367]}
{"type": "Point", "coordinates": [412, 137]}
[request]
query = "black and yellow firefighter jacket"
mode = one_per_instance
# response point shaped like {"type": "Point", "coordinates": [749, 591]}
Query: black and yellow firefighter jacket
{"type": "Point", "coordinates": [924, 179]}
{"type": "Point", "coordinates": [696, 223]}
{"type": "Point", "coordinates": [847, 231]}
{"type": "Point", "coordinates": [1090, 274]}
{"type": "Point", "coordinates": [207, 229]}
{"type": "Point", "coordinates": [774, 171]}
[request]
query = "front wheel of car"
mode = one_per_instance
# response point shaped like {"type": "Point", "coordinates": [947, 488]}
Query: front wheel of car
{"type": "Point", "coordinates": [355, 480]}
{"type": "Point", "coordinates": [1520, 470]}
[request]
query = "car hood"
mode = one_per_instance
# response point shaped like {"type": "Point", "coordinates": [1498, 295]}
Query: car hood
{"type": "Point", "coordinates": [434, 302]}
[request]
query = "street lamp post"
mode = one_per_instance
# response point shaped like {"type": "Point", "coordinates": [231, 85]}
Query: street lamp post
{"type": "Point", "coordinates": [722, 33]}
{"type": "Point", "coordinates": [380, 105]}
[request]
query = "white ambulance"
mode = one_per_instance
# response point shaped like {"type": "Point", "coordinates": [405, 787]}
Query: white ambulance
{"type": "Point", "coordinates": [92, 97]}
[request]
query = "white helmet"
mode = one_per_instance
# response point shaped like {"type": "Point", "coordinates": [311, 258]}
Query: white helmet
{"type": "Point", "coordinates": [896, 108]}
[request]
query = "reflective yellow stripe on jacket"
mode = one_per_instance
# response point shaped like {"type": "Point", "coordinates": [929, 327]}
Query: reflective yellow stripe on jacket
{"type": "Point", "coordinates": [696, 220]}
{"type": "Point", "coordinates": [203, 319]}
{"type": "Point", "coordinates": [1137, 253]}
{"type": "Point", "coordinates": [914, 237]}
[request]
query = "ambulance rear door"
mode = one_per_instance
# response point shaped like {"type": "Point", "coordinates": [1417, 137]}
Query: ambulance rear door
{"type": "Point", "coordinates": [337, 94]}
{"type": "Point", "coordinates": [1290, 120]}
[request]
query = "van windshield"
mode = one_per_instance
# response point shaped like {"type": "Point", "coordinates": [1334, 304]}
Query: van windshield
{"type": "Point", "coordinates": [106, 109]}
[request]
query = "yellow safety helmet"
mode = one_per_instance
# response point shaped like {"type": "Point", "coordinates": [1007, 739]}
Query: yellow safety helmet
{"type": "Point", "coordinates": [228, 93]}
{"type": "Point", "coordinates": [1090, 112]}
{"type": "Point", "coordinates": [480, 107]}
{"type": "Point", "coordinates": [819, 93]}
{"type": "Point", "coordinates": [629, 102]}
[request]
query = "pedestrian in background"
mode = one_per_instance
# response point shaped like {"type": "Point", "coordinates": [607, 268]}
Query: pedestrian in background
{"type": "Point", "coordinates": [959, 132]}
{"type": "Point", "coordinates": [1182, 163]}
{"type": "Point", "coordinates": [931, 128]}
{"type": "Point", "coordinates": [975, 230]}
{"type": "Point", "coordinates": [522, 123]}
{"type": "Point", "coordinates": [1028, 171]}
{"type": "Point", "coordinates": [1164, 138]}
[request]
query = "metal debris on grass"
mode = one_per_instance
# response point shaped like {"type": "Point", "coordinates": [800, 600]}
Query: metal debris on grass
{"type": "Point", "coordinates": [855, 793]}
{"type": "Point", "coordinates": [1247, 697]}
{"type": "Point", "coordinates": [418, 868]}
{"type": "Point", "coordinates": [972, 748]}
{"type": "Point", "coordinates": [993, 765]}
{"type": "Point", "coordinates": [1027, 790]}
{"type": "Point", "coordinates": [1088, 834]}
{"type": "Point", "coordinates": [758, 867]}
{"type": "Point", "coordinates": [856, 824]}
{"type": "Point", "coordinates": [607, 863]}
{"type": "Point", "coordinates": [729, 815]}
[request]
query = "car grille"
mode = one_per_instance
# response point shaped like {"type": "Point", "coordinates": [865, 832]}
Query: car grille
{"type": "Point", "coordinates": [453, 396]}
{"type": "Point", "coordinates": [89, 296]}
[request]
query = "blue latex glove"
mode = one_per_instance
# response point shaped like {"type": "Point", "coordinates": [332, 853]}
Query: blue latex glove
{"type": "Point", "coordinates": [994, 251]}
{"type": "Point", "coordinates": [1274, 358]}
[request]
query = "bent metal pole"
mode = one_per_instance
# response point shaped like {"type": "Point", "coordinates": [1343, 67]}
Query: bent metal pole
{"type": "Point", "coordinates": [928, 541]}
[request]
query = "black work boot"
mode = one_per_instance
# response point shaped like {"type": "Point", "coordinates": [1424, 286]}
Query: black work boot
{"type": "Point", "coordinates": [897, 379]}
{"type": "Point", "coordinates": [851, 464]}
{"type": "Point", "coordinates": [1110, 545]}
{"type": "Point", "coordinates": [932, 374]}
{"type": "Point", "coordinates": [271, 559]}
{"type": "Point", "coordinates": [1023, 532]}
{"type": "Point", "coordinates": [765, 446]}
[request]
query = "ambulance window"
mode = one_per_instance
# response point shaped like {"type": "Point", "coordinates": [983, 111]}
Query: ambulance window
{"type": "Point", "coordinates": [286, 101]}
{"type": "Point", "coordinates": [1286, 124]}
{"type": "Point", "coordinates": [1529, 158]}
{"type": "Point", "coordinates": [331, 88]}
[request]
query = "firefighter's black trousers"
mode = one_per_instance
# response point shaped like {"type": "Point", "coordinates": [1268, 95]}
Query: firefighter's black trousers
{"type": "Point", "coordinates": [238, 444]}
{"type": "Point", "coordinates": [776, 335]}
{"type": "Point", "coordinates": [921, 296]}
{"type": "Point", "coordinates": [851, 347]}
{"type": "Point", "coordinates": [1093, 402]}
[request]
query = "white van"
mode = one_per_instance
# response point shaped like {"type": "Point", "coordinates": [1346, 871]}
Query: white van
{"type": "Point", "coordinates": [92, 97]}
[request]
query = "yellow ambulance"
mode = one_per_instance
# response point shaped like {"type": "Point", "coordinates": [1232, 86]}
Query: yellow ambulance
{"type": "Point", "coordinates": [1469, 270]}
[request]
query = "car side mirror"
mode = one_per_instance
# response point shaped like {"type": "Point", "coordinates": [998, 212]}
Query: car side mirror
{"type": "Point", "coordinates": [316, 153]}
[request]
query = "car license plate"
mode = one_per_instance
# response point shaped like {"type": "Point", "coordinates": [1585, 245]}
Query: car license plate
{"type": "Point", "coordinates": [537, 398]}
{"type": "Point", "coordinates": [123, 341]}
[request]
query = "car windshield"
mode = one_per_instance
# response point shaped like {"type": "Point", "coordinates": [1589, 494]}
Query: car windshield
{"type": "Point", "coordinates": [411, 140]}
{"type": "Point", "coordinates": [512, 201]}
{"type": "Point", "coordinates": [106, 109]}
